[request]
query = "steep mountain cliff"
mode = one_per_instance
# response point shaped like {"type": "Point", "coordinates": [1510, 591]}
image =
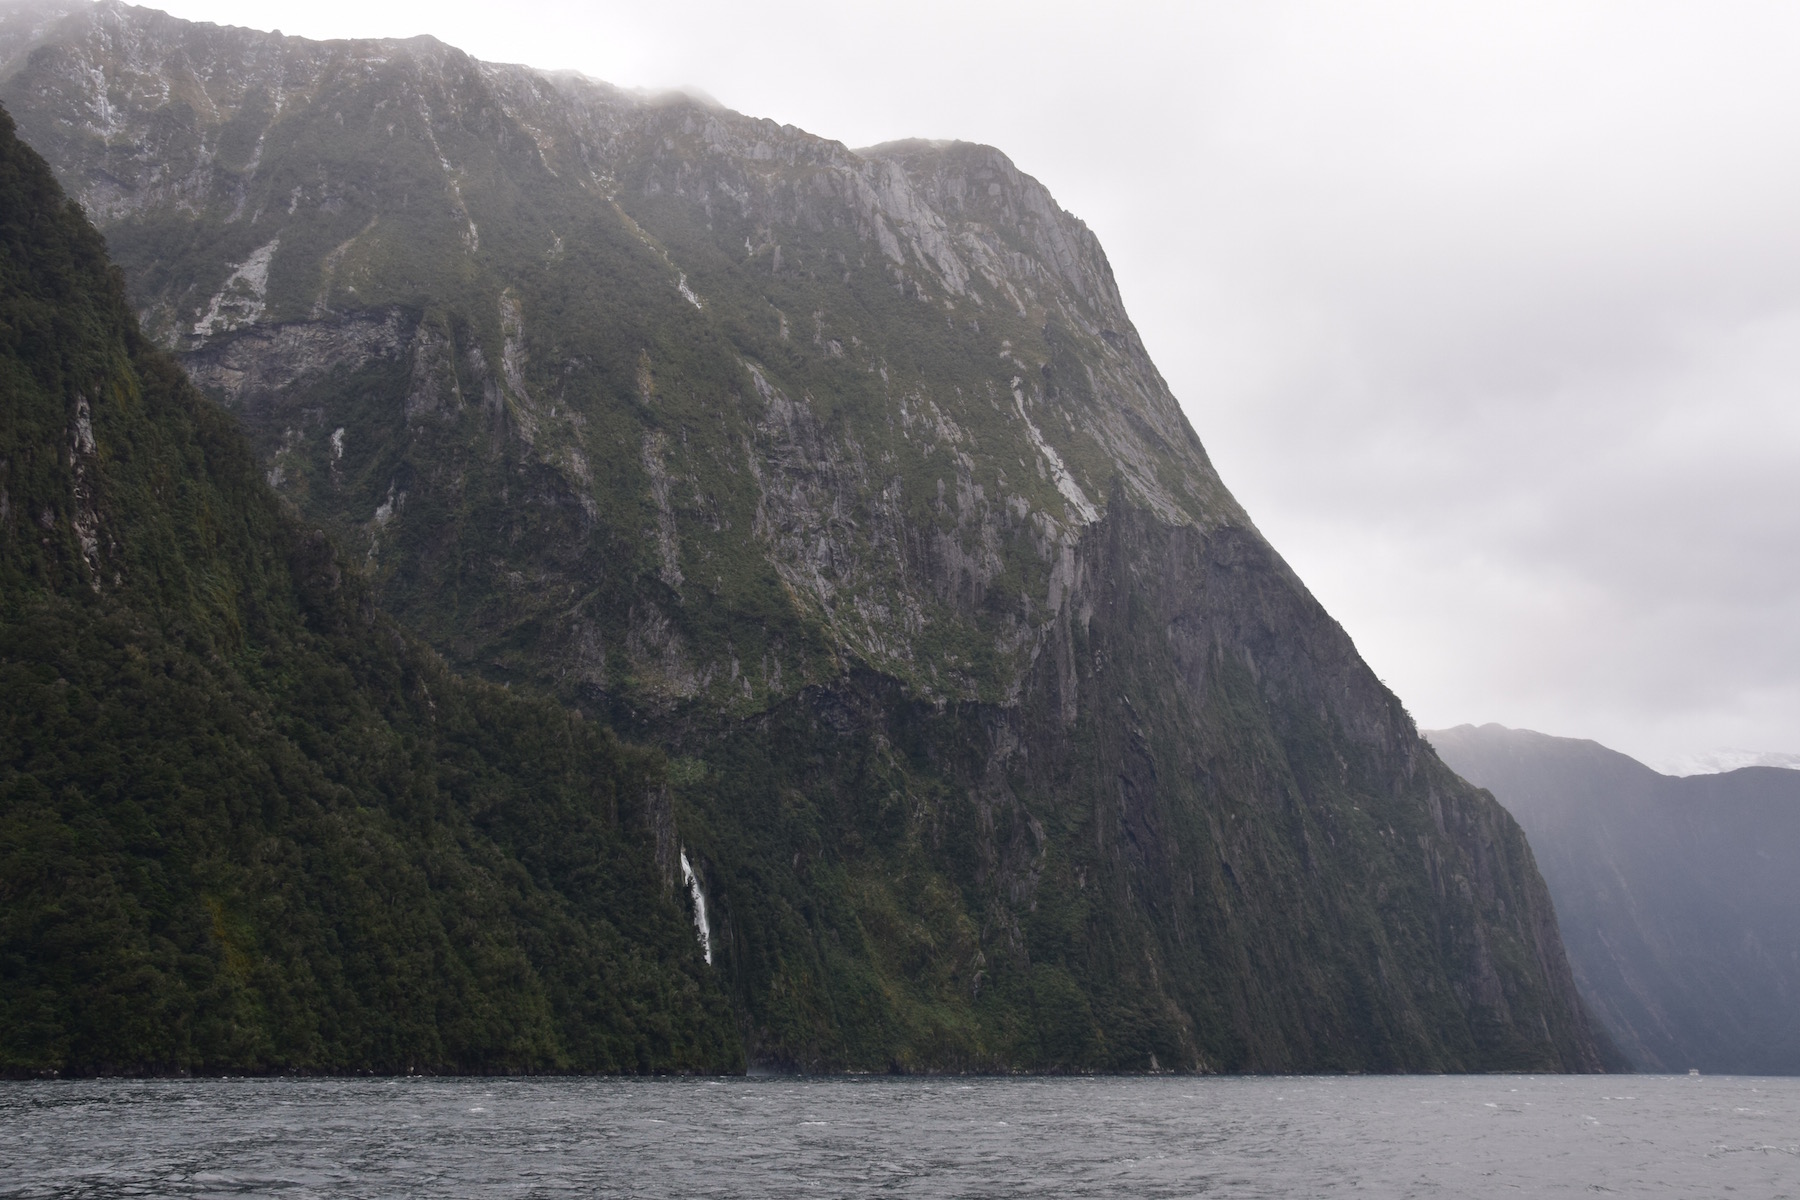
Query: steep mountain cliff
{"type": "Point", "coordinates": [244, 823]}
{"type": "Point", "coordinates": [1679, 897]}
{"type": "Point", "coordinates": [1001, 738]}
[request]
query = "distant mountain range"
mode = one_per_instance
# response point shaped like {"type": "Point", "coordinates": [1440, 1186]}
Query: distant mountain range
{"type": "Point", "coordinates": [994, 735]}
{"type": "Point", "coordinates": [1678, 897]}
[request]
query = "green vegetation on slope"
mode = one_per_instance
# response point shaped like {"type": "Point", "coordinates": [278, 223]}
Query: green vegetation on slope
{"type": "Point", "coordinates": [245, 824]}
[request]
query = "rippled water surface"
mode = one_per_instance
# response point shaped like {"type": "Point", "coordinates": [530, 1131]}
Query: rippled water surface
{"type": "Point", "coordinates": [1369, 1136]}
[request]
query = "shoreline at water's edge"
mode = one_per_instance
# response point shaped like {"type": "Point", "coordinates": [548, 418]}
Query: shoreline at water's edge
{"type": "Point", "coordinates": [759, 1072]}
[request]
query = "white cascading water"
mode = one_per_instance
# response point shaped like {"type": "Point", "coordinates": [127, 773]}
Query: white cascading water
{"type": "Point", "coordinates": [693, 886]}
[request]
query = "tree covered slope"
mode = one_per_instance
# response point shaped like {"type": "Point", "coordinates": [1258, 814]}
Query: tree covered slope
{"type": "Point", "coordinates": [245, 824]}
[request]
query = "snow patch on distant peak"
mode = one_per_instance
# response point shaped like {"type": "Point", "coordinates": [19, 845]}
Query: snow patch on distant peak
{"type": "Point", "coordinates": [1717, 762]}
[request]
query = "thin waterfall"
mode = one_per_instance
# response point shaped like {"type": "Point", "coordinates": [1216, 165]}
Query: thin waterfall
{"type": "Point", "coordinates": [693, 886]}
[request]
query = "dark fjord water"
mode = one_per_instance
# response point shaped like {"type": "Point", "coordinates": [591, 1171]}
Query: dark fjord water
{"type": "Point", "coordinates": [1370, 1136]}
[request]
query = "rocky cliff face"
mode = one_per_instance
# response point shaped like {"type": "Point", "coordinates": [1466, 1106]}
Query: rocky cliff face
{"type": "Point", "coordinates": [1678, 895]}
{"type": "Point", "coordinates": [1001, 737]}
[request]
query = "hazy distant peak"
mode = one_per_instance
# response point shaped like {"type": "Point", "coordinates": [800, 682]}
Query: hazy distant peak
{"type": "Point", "coordinates": [1479, 752]}
{"type": "Point", "coordinates": [1494, 733]}
{"type": "Point", "coordinates": [1495, 738]}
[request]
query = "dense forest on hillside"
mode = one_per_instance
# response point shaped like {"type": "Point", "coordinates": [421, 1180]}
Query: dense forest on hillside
{"type": "Point", "coordinates": [245, 822]}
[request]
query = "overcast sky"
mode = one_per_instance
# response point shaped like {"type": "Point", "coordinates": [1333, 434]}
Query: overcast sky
{"type": "Point", "coordinates": [1489, 313]}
